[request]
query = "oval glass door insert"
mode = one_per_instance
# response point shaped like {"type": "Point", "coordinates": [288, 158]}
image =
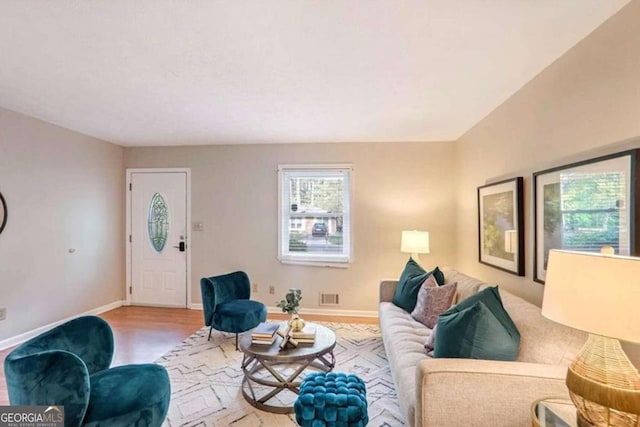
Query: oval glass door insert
{"type": "Point", "coordinates": [158, 222]}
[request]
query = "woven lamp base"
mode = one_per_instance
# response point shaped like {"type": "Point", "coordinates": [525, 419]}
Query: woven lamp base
{"type": "Point", "coordinates": [604, 385]}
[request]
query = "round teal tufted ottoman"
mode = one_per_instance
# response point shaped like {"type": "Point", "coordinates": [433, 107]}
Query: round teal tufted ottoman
{"type": "Point", "coordinates": [332, 400]}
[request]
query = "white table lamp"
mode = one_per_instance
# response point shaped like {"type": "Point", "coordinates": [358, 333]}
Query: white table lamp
{"type": "Point", "coordinates": [599, 294]}
{"type": "Point", "coordinates": [415, 243]}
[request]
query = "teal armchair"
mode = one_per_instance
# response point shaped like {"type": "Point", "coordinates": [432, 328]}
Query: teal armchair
{"type": "Point", "coordinates": [226, 304]}
{"type": "Point", "coordinates": [69, 366]}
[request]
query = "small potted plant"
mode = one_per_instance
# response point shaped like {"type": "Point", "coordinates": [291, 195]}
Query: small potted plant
{"type": "Point", "coordinates": [290, 305]}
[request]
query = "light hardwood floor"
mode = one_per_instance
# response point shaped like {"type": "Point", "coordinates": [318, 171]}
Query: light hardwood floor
{"type": "Point", "coordinates": [143, 334]}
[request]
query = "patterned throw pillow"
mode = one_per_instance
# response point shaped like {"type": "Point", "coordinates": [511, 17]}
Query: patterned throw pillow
{"type": "Point", "coordinates": [433, 300]}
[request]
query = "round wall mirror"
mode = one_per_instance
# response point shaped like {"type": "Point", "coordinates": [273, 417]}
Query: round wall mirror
{"type": "Point", "coordinates": [3, 213]}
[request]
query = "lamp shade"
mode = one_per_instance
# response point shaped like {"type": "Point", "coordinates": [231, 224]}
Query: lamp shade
{"type": "Point", "coordinates": [595, 293]}
{"type": "Point", "coordinates": [415, 242]}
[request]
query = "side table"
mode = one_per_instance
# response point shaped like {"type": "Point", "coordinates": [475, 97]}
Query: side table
{"type": "Point", "coordinates": [553, 412]}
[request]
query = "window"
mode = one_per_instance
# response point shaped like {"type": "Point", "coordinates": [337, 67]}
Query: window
{"type": "Point", "coordinates": [314, 214]}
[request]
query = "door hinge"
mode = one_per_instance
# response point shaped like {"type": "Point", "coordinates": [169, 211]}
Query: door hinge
{"type": "Point", "coordinates": [130, 238]}
{"type": "Point", "coordinates": [130, 186]}
{"type": "Point", "coordinates": [130, 290]}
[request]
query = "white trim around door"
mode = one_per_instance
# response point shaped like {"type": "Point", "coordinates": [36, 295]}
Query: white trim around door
{"type": "Point", "coordinates": [127, 237]}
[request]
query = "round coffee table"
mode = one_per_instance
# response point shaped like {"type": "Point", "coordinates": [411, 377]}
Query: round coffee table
{"type": "Point", "coordinates": [269, 371]}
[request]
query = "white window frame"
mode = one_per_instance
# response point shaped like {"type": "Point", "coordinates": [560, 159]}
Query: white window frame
{"type": "Point", "coordinates": [341, 260]}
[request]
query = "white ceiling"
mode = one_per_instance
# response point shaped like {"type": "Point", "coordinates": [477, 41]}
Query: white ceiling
{"type": "Point", "coordinates": [167, 72]}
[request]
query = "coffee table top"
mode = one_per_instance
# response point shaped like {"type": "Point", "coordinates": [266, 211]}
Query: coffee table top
{"type": "Point", "coordinates": [325, 341]}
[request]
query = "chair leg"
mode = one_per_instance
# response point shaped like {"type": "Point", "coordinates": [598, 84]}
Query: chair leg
{"type": "Point", "coordinates": [237, 342]}
{"type": "Point", "coordinates": [210, 330]}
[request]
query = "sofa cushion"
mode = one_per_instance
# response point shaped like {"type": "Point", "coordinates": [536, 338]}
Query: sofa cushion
{"type": "Point", "coordinates": [433, 300]}
{"type": "Point", "coordinates": [129, 395]}
{"type": "Point", "coordinates": [412, 277]}
{"type": "Point", "coordinates": [467, 285]}
{"type": "Point", "coordinates": [403, 339]}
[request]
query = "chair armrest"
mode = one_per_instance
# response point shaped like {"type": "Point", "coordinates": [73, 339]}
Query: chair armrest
{"type": "Point", "coordinates": [387, 289]}
{"type": "Point", "coordinates": [457, 392]}
{"type": "Point", "coordinates": [208, 300]}
{"type": "Point", "coordinates": [52, 377]}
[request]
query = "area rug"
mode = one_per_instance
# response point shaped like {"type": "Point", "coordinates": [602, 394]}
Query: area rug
{"type": "Point", "coordinates": [206, 379]}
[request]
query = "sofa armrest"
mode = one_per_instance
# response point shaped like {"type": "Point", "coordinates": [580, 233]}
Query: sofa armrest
{"type": "Point", "coordinates": [387, 288]}
{"type": "Point", "coordinates": [465, 392]}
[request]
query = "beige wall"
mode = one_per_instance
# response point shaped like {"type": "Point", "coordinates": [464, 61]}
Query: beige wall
{"type": "Point", "coordinates": [234, 193]}
{"type": "Point", "coordinates": [585, 104]}
{"type": "Point", "coordinates": [63, 190]}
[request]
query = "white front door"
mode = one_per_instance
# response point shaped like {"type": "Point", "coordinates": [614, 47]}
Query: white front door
{"type": "Point", "coordinates": [158, 218]}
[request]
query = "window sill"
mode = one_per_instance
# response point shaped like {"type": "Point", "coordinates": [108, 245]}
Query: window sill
{"type": "Point", "coordinates": [310, 263]}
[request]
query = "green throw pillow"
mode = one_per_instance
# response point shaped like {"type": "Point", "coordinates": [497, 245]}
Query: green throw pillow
{"type": "Point", "coordinates": [474, 333]}
{"type": "Point", "coordinates": [478, 328]}
{"type": "Point", "coordinates": [411, 279]}
{"type": "Point", "coordinates": [491, 298]}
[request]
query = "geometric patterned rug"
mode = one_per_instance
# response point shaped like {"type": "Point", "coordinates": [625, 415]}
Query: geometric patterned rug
{"type": "Point", "coordinates": [206, 379]}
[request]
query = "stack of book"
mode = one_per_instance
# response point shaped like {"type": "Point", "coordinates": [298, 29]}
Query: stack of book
{"type": "Point", "coordinates": [306, 336]}
{"type": "Point", "coordinates": [264, 333]}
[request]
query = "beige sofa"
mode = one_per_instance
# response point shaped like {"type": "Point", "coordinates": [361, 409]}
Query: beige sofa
{"type": "Point", "coordinates": [463, 392]}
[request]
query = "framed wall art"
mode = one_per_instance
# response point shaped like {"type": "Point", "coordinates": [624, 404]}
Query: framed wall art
{"type": "Point", "coordinates": [585, 206]}
{"type": "Point", "coordinates": [501, 225]}
{"type": "Point", "coordinates": [3, 212]}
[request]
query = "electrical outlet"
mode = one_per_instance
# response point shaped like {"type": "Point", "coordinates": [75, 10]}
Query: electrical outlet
{"type": "Point", "coordinates": [254, 287]}
{"type": "Point", "coordinates": [3, 313]}
{"type": "Point", "coordinates": [272, 290]}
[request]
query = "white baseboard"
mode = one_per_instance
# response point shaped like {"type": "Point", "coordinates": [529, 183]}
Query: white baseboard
{"type": "Point", "coordinates": [319, 311]}
{"type": "Point", "coordinates": [19, 339]}
{"type": "Point", "coordinates": [329, 312]}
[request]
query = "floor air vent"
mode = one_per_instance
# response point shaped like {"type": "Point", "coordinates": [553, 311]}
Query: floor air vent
{"type": "Point", "coordinates": [329, 299]}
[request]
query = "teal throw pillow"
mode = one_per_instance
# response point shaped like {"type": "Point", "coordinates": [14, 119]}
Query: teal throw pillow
{"type": "Point", "coordinates": [477, 328]}
{"type": "Point", "coordinates": [491, 298]}
{"type": "Point", "coordinates": [438, 275]}
{"type": "Point", "coordinates": [474, 333]}
{"type": "Point", "coordinates": [411, 279]}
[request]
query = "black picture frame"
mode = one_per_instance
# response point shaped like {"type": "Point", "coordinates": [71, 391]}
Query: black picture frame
{"type": "Point", "coordinates": [501, 225]}
{"type": "Point", "coordinates": [3, 213]}
{"type": "Point", "coordinates": [590, 187]}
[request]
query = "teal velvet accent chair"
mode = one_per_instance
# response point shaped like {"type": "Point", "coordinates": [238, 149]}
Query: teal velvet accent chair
{"type": "Point", "coordinates": [227, 304]}
{"type": "Point", "coordinates": [69, 366]}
